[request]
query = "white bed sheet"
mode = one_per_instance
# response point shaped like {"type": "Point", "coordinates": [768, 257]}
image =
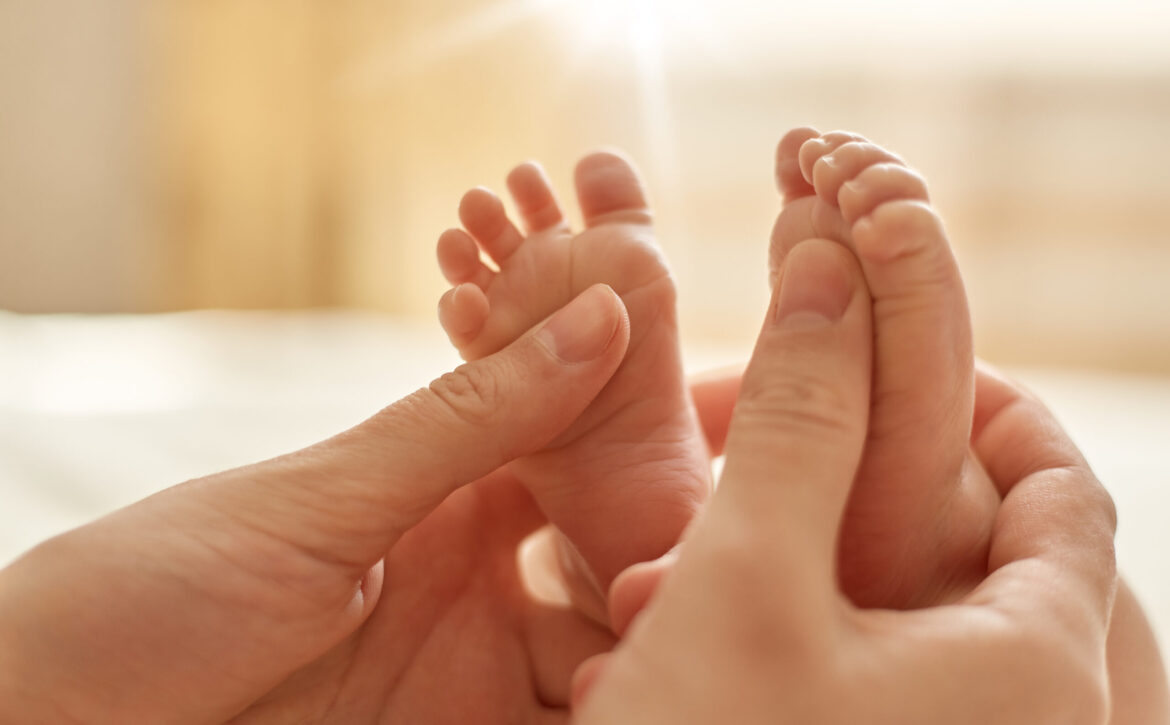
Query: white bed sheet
{"type": "Point", "coordinates": [97, 412]}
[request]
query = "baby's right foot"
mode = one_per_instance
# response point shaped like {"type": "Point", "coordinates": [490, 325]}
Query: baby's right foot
{"type": "Point", "coordinates": [918, 521]}
{"type": "Point", "coordinates": [625, 479]}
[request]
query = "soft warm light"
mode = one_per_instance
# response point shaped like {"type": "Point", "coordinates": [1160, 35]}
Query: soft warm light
{"type": "Point", "coordinates": [643, 29]}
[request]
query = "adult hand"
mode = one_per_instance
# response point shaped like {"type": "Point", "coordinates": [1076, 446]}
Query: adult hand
{"type": "Point", "coordinates": [750, 625]}
{"type": "Point", "coordinates": [371, 577]}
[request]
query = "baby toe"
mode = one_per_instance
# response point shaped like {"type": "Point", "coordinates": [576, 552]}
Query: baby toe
{"type": "Point", "coordinates": [534, 197]}
{"type": "Point", "coordinates": [845, 162]}
{"type": "Point", "coordinates": [879, 184]}
{"type": "Point", "coordinates": [459, 259]}
{"type": "Point", "coordinates": [462, 313]}
{"type": "Point", "coordinates": [789, 178]}
{"type": "Point", "coordinates": [813, 149]}
{"type": "Point", "coordinates": [609, 190]}
{"type": "Point", "coordinates": [482, 214]}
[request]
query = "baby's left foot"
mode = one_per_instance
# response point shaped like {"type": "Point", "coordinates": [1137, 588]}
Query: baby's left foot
{"type": "Point", "coordinates": [625, 479]}
{"type": "Point", "coordinates": [920, 514]}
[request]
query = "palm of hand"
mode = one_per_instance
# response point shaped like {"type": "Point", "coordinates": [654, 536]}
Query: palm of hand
{"type": "Point", "coordinates": [455, 636]}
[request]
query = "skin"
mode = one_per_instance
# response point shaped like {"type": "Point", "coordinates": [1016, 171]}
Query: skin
{"type": "Point", "coordinates": [348, 582]}
{"type": "Point", "coordinates": [750, 624]}
{"type": "Point", "coordinates": [1138, 686]}
{"type": "Point", "coordinates": [637, 451]}
{"type": "Point", "coordinates": [917, 527]}
{"type": "Point", "coordinates": [343, 583]}
{"type": "Point", "coordinates": [340, 583]}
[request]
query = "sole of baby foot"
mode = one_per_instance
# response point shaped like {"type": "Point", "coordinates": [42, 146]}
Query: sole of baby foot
{"type": "Point", "coordinates": [919, 506]}
{"type": "Point", "coordinates": [625, 479]}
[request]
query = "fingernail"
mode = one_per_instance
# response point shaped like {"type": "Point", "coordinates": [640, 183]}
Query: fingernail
{"type": "Point", "coordinates": [583, 329]}
{"type": "Point", "coordinates": [815, 285]}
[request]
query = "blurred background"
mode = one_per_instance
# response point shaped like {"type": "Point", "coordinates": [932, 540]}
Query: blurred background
{"type": "Point", "coordinates": [273, 174]}
{"type": "Point", "coordinates": [306, 153]}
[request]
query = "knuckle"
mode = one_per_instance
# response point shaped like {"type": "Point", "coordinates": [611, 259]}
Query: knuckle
{"type": "Point", "coordinates": [803, 404]}
{"type": "Point", "coordinates": [470, 393]}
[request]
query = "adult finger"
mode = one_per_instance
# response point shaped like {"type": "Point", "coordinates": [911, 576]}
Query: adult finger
{"type": "Point", "coordinates": [348, 499]}
{"type": "Point", "coordinates": [714, 394]}
{"type": "Point", "coordinates": [1056, 524]}
{"type": "Point", "coordinates": [799, 426]}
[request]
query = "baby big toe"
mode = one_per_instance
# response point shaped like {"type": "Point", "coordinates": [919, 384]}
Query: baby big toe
{"type": "Point", "coordinates": [609, 190]}
{"type": "Point", "coordinates": [904, 230]}
{"type": "Point", "coordinates": [923, 337]}
{"type": "Point", "coordinates": [459, 259]}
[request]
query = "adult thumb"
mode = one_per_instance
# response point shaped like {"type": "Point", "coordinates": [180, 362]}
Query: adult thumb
{"type": "Point", "coordinates": [349, 498]}
{"type": "Point", "coordinates": [800, 422]}
{"type": "Point", "coordinates": [754, 579]}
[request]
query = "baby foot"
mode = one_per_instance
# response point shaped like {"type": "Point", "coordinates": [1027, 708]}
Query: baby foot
{"type": "Point", "coordinates": [625, 479]}
{"type": "Point", "coordinates": [919, 518]}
